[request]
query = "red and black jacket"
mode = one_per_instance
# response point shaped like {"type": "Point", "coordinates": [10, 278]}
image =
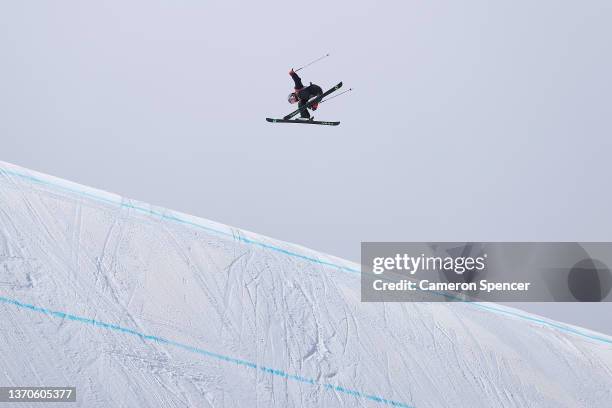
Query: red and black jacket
{"type": "Point", "coordinates": [304, 93]}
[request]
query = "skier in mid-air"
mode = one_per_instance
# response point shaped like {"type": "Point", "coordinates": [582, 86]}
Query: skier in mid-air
{"type": "Point", "coordinates": [302, 94]}
{"type": "Point", "coordinates": [307, 97]}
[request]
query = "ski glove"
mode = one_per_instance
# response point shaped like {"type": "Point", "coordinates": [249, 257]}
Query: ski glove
{"type": "Point", "coordinates": [314, 106]}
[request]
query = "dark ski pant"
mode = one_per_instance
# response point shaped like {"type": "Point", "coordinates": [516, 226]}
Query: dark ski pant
{"type": "Point", "coordinates": [304, 114]}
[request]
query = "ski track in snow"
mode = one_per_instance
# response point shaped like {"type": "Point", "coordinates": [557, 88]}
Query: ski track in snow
{"type": "Point", "coordinates": [141, 306]}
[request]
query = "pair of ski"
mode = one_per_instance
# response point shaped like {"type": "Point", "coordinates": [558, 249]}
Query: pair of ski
{"type": "Point", "coordinates": [287, 118]}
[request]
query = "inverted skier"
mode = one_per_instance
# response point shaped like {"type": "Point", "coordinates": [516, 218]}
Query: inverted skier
{"type": "Point", "coordinates": [302, 94]}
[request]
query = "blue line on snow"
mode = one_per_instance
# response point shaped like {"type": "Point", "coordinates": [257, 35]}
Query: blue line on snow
{"type": "Point", "coordinates": [560, 327]}
{"type": "Point", "coordinates": [237, 361]}
{"type": "Point", "coordinates": [180, 220]}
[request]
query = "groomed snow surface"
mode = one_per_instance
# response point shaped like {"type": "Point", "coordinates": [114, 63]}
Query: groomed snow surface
{"type": "Point", "coordinates": [139, 306]}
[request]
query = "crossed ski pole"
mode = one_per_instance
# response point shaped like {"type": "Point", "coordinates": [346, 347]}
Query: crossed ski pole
{"type": "Point", "coordinates": [335, 96]}
{"type": "Point", "coordinates": [312, 62]}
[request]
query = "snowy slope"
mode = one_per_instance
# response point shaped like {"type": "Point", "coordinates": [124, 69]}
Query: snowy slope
{"type": "Point", "coordinates": [139, 306]}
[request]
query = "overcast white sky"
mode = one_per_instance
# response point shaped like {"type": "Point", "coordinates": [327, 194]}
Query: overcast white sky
{"type": "Point", "coordinates": [470, 120]}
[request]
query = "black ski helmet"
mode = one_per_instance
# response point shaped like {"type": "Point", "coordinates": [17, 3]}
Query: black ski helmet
{"type": "Point", "coordinates": [292, 98]}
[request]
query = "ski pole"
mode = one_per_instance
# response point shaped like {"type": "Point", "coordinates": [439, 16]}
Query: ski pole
{"type": "Point", "coordinates": [312, 62]}
{"type": "Point", "coordinates": [335, 96]}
